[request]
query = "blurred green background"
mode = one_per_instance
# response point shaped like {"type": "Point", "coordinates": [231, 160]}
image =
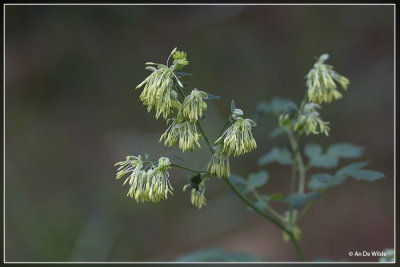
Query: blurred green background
{"type": "Point", "coordinates": [71, 113]}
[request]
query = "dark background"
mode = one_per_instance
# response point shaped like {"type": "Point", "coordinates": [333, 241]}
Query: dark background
{"type": "Point", "coordinates": [71, 113]}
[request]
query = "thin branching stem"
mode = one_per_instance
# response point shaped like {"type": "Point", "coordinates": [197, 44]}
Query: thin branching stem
{"type": "Point", "coordinates": [246, 200]}
{"type": "Point", "coordinates": [205, 137]}
{"type": "Point", "coordinates": [182, 94]}
{"type": "Point", "coordinates": [188, 169]}
{"type": "Point", "coordinates": [271, 219]}
{"type": "Point", "coordinates": [293, 143]}
{"type": "Point", "coordinates": [307, 207]}
{"type": "Point", "coordinates": [260, 212]}
{"type": "Point", "coordinates": [225, 125]}
{"type": "Point", "coordinates": [269, 208]}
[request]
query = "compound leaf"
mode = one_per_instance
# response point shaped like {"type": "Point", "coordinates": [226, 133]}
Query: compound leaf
{"type": "Point", "coordinates": [345, 150]}
{"type": "Point", "coordinates": [241, 183]}
{"type": "Point", "coordinates": [353, 166]}
{"type": "Point", "coordinates": [298, 200]}
{"type": "Point", "coordinates": [312, 150]}
{"type": "Point", "coordinates": [324, 161]}
{"type": "Point", "coordinates": [367, 175]}
{"type": "Point", "coordinates": [257, 179]}
{"type": "Point", "coordinates": [322, 180]}
{"type": "Point", "coordinates": [281, 155]}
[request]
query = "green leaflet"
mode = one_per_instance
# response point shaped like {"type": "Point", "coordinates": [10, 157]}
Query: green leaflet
{"type": "Point", "coordinates": [233, 105]}
{"type": "Point", "coordinates": [330, 159]}
{"type": "Point", "coordinates": [239, 182]}
{"type": "Point", "coordinates": [368, 175]}
{"type": "Point", "coordinates": [322, 180]}
{"type": "Point", "coordinates": [276, 106]}
{"type": "Point", "coordinates": [277, 196]}
{"type": "Point", "coordinates": [257, 179]}
{"type": "Point", "coordinates": [353, 166]}
{"type": "Point", "coordinates": [280, 155]}
{"type": "Point", "coordinates": [354, 170]}
{"type": "Point", "coordinates": [345, 150]}
{"type": "Point", "coordinates": [298, 200]}
{"type": "Point", "coordinates": [183, 74]}
{"type": "Point", "coordinates": [277, 132]}
{"type": "Point", "coordinates": [253, 181]}
{"type": "Point", "coordinates": [312, 149]}
{"type": "Point", "coordinates": [212, 97]}
{"type": "Point", "coordinates": [324, 161]}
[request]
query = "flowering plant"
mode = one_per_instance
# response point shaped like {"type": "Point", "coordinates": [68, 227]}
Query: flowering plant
{"type": "Point", "coordinates": [164, 90]}
{"type": "Point", "coordinates": [184, 111]}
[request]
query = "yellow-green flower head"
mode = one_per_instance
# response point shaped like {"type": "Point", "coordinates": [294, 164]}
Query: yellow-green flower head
{"type": "Point", "coordinates": [132, 164]}
{"type": "Point", "coordinates": [219, 163]}
{"type": "Point", "coordinates": [185, 132]}
{"type": "Point", "coordinates": [193, 106]}
{"type": "Point", "coordinates": [158, 91]}
{"type": "Point", "coordinates": [321, 82]}
{"type": "Point", "coordinates": [310, 122]}
{"type": "Point", "coordinates": [180, 59]}
{"type": "Point", "coordinates": [238, 138]}
{"type": "Point", "coordinates": [152, 185]}
{"type": "Point", "coordinates": [158, 185]}
{"type": "Point", "coordinates": [197, 193]}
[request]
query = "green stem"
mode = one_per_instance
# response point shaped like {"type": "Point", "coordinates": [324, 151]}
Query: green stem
{"type": "Point", "coordinates": [293, 143]}
{"type": "Point", "coordinates": [242, 197]}
{"type": "Point", "coordinates": [271, 219]}
{"type": "Point", "coordinates": [182, 94]}
{"type": "Point", "coordinates": [180, 91]}
{"type": "Point", "coordinates": [302, 170]}
{"type": "Point", "coordinates": [250, 204]}
{"type": "Point", "coordinates": [303, 102]}
{"type": "Point", "coordinates": [270, 209]}
{"type": "Point", "coordinates": [205, 137]}
{"type": "Point", "coordinates": [307, 207]}
{"type": "Point", "coordinates": [188, 169]}
{"type": "Point", "coordinates": [297, 247]}
{"type": "Point", "coordinates": [223, 128]}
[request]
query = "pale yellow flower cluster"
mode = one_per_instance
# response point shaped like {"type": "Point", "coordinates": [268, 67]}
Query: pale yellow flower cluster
{"type": "Point", "coordinates": [193, 106]}
{"type": "Point", "coordinates": [159, 91]}
{"type": "Point", "coordinates": [151, 185]}
{"type": "Point", "coordinates": [321, 82]}
{"type": "Point", "coordinates": [308, 121]}
{"type": "Point", "coordinates": [185, 132]}
{"type": "Point", "coordinates": [219, 164]}
{"type": "Point", "coordinates": [236, 140]}
{"type": "Point", "coordinates": [197, 193]}
{"type": "Point", "coordinates": [321, 87]}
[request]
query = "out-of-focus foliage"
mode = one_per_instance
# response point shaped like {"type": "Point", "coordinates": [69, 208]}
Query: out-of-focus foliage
{"type": "Point", "coordinates": [216, 254]}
